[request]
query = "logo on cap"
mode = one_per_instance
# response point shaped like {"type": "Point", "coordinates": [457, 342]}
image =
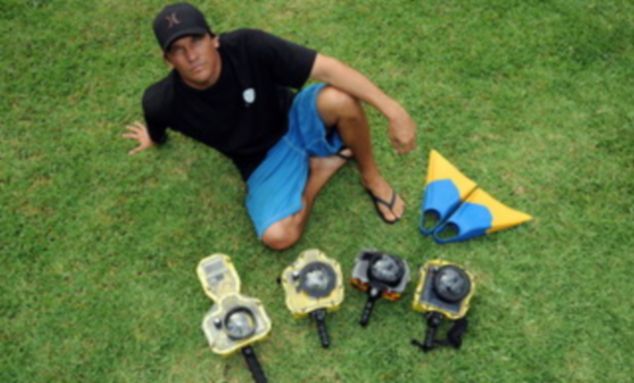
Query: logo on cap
{"type": "Point", "coordinates": [172, 20]}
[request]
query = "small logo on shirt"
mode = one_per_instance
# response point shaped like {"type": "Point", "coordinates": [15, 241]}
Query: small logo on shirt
{"type": "Point", "coordinates": [249, 96]}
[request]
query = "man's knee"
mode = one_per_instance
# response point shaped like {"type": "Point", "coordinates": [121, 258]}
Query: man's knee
{"type": "Point", "coordinates": [337, 98]}
{"type": "Point", "coordinates": [280, 236]}
{"type": "Point", "coordinates": [334, 104]}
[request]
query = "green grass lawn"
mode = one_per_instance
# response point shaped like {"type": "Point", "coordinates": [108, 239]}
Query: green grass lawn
{"type": "Point", "coordinates": [532, 99]}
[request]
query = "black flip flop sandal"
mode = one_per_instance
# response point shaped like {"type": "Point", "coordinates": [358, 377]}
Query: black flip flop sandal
{"type": "Point", "coordinates": [389, 205]}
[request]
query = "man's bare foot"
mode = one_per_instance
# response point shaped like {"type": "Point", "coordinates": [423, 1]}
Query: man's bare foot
{"type": "Point", "coordinates": [390, 205]}
{"type": "Point", "coordinates": [326, 167]}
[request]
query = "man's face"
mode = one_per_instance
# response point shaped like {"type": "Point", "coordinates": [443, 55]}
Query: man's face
{"type": "Point", "coordinates": [196, 59]}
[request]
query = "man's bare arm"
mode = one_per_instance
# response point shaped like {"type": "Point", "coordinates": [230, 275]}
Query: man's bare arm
{"type": "Point", "coordinates": [138, 132]}
{"type": "Point", "coordinates": [334, 72]}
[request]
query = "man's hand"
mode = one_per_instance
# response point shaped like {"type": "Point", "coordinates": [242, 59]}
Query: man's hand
{"type": "Point", "coordinates": [137, 131]}
{"type": "Point", "coordinates": [332, 71]}
{"type": "Point", "coordinates": [402, 131]}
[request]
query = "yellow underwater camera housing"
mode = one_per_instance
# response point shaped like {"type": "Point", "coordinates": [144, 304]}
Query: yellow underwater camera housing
{"type": "Point", "coordinates": [313, 286]}
{"type": "Point", "coordinates": [444, 290]}
{"type": "Point", "coordinates": [235, 321]}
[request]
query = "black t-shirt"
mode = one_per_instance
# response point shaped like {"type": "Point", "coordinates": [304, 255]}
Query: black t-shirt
{"type": "Point", "coordinates": [245, 112]}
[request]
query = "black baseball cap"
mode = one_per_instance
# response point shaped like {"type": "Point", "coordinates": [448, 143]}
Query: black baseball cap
{"type": "Point", "coordinates": [178, 20]}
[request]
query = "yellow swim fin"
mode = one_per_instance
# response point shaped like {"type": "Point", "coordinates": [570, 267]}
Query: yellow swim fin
{"type": "Point", "coordinates": [446, 187]}
{"type": "Point", "coordinates": [480, 214]}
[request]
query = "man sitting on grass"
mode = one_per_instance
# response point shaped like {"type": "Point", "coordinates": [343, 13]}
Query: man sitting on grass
{"type": "Point", "coordinates": [232, 92]}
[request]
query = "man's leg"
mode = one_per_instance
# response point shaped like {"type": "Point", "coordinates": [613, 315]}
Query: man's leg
{"type": "Point", "coordinates": [339, 109]}
{"type": "Point", "coordinates": [344, 112]}
{"type": "Point", "coordinates": [285, 232]}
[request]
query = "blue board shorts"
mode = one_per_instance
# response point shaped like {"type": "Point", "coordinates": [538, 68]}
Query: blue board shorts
{"type": "Point", "coordinates": [276, 186]}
